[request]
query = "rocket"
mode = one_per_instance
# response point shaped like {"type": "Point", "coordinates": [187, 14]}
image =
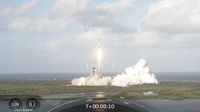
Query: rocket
{"type": "Point", "coordinates": [99, 42]}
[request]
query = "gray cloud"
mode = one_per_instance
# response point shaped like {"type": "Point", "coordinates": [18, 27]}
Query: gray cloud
{"type": "Point", "coordinates": [64, 15]}
{"type": "Point", "coordinates": [7, 8]}
{"type": "Point", "coordinates": [117, 6]}
{"type": "Point", "coordinates": [26, 7]}
{"type": "Point", "coordinates": [178, 16]}
{"type": "Point", "coordinates": [170, 24]}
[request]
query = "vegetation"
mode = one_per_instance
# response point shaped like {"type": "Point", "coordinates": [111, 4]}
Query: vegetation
{"type": "Point", "coordinates": [164, 90]}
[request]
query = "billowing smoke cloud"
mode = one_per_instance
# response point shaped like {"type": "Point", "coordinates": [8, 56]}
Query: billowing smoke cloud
{"type": "Point", "coordinates": [92, 80]}
{"type": "Point", "coordinates": [138, 74]}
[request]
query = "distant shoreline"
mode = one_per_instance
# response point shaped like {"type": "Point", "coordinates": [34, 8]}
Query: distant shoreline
{"type": "Point", "coordinates": [162, 76]}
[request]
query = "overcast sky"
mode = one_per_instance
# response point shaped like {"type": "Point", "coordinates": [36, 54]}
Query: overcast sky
{"type": "Point", "coordinates": [59, 36]}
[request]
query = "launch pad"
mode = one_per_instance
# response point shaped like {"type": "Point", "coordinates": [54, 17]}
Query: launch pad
{"type": "Point", "coordinates": [137, 74]}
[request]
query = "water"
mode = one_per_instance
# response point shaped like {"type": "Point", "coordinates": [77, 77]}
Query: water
{"type": "Point", "coordinates": [174, 76]}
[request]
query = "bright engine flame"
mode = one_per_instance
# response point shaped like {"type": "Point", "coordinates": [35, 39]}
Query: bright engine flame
{"type": "Point", "coordinates": [99, 57]}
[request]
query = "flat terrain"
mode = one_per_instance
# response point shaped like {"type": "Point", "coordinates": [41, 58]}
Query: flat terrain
{"type": "Point", "coordinates": [164, 90]}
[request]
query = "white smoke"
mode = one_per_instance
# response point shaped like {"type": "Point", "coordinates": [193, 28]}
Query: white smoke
{"type": "Point", "coordinates": [92, 80]}
{"type": "Point", "coordinates": [138, 74]}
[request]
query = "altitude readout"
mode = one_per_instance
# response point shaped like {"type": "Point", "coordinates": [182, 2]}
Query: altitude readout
{"type": "Point", "coordinates": [99, 106]}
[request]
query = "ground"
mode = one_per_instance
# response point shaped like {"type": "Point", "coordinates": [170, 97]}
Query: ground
{"type": "Point", "coordinates": [164, 90]}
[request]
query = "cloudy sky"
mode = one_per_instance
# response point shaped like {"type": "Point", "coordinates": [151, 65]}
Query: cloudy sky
{"type": "Point", "coordinates": [50, 36]}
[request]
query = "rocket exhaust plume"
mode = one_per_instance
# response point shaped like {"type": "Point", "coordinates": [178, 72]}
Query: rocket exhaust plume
{"type": "Point", "coordinates": [99, 56]}
{"type": "Point", "coordinates": [135, 75]}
